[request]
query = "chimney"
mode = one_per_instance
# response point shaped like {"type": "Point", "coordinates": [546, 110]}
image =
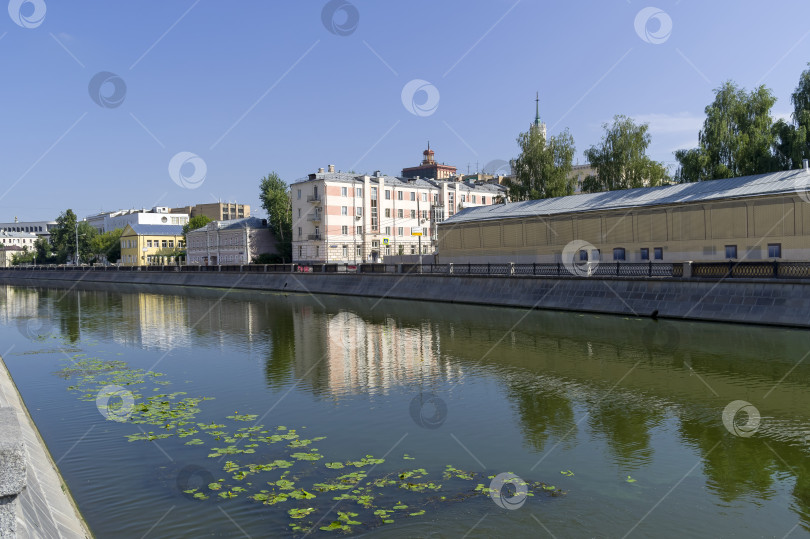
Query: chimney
{"type": "Point", "coordinates": [377, 174]}
{"type": "Point", "coordinates": [320, 170]}
{"type": "Point", "coordinates": [331, 168]}
{"type": "Point", "coordinates": [805, 164]}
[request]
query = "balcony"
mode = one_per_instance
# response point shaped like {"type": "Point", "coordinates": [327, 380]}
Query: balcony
{"type": "Point", "coordinates": [316, 199]}
{"type": "Point", "coordinates": [316, 237]}
{"type": "Point", "coordinates": [316, 217]}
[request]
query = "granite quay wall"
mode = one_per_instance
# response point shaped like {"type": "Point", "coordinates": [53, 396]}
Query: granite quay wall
{"type": "Point", "coordinates": [34, 500]}
{"type": "Point", "coordinates": [781, 302]}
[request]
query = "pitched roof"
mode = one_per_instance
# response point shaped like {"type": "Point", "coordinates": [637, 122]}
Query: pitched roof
{"type": "Point", "coordinates": [156, 230]}
{"type": "Point", "coordinates": [786, 182]}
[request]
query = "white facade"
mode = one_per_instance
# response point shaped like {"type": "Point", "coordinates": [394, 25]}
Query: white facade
{"type": "Point", "coordinates": [236, 241]}
{"type": "Point", "coordinates": [339, 217]}
{"type": "Point", "coordinates": [105, 222]}
{"type": "Point", "coordinates": [19, 239]}
{"type": "Point", "coordinates": [40, 228]}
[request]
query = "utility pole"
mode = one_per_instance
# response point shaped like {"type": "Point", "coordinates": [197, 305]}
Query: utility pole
{"type": "Point", "coordinates": [77, 242]}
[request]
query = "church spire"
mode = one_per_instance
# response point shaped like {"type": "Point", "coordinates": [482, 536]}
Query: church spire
{"type": "Point", "coordinates": [537, 110]}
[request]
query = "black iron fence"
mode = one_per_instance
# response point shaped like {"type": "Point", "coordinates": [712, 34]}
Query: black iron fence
{"type": "Point", "coordinates": [775, 269]}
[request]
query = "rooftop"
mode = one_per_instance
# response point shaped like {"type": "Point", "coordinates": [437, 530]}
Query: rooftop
{"type": "Point", "coordinates": [786, 182]}
{"type": "Point", "coordinates": [426, 183]}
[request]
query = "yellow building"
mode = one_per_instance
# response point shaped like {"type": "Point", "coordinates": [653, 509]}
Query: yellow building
{"type": "Point", "coordinates": [146, 245]}
{"type": "Point", "coordinates": [762, 217]}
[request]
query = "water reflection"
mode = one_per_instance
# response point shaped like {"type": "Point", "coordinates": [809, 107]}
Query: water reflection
{"type": "Point", "coordinates": [570, 378]}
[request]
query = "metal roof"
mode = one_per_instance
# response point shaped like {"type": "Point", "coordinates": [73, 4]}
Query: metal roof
{"type": "Point", "coordinates": [786, 182]}
{"type": "Point", "coordinates": [156, 230]}
{"type": "Point", "coordinates": [245, 222]}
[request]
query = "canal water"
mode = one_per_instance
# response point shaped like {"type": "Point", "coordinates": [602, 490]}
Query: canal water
{"type": "Point", "coordinates": [176, 412]}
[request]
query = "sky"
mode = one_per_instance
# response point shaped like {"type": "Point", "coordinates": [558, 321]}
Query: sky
{"type": "Point", "coordinates": [111, 105]}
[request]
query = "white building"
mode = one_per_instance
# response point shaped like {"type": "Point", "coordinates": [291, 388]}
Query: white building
{"type": "Point", "coordinates": [40, 228]}
{"type": "Point", "coordinates": [236, 241]}
{"type": "Point", "coordinates": [341, 217]}
{"type": "Point", "coordinates": [107, 221]}
{"type": "Point", "coordinates": [22, 240]}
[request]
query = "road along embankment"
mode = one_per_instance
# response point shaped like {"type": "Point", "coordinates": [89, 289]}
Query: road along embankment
{"type": "Point", "coordinates": [780, 302]}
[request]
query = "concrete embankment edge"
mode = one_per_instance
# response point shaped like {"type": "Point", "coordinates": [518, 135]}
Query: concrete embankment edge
{"type": "Point", "coordinates": [767, 302]}
{"type": "Point", "coordinates": [45, 508]}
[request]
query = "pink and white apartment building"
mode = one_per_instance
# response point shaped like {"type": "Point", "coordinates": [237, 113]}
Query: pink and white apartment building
{"type": "Point", "coordinates": [348, 218]}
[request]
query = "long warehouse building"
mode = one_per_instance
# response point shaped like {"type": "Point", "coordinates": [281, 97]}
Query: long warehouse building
{"type": "Point", "coordinates": [760, 217]}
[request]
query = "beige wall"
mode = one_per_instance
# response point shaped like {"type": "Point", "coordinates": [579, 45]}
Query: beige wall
{"type": "Point", "coordinates": [699, 231]}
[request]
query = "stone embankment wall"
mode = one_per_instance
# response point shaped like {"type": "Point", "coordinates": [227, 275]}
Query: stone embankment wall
{"type": "Point", "coordinates": [754, 301]}
{"type": "Point", "coordinates": [34, 500]}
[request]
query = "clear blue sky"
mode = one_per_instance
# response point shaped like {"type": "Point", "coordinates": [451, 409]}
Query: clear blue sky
{"type": "Point", "coordinates": [256, 86]}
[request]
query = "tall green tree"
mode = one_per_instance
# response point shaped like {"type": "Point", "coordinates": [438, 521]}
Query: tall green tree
{"type": "Point", "coordinates": [737, 137]}
{"type": "Point", "coordinates": [275, 196]}
{"type": "Point", "coordinates": [543, 167]}
{"type": "Point", "coordinates": [793, 138]}
{"type": "Point", "coordinates": [621, 160]}
{"type": "Point", "coordinates": [65, 234]}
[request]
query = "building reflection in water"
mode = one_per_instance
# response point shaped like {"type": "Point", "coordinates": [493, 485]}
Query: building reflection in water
{"type": "Point", "coordinates": [570, 378]}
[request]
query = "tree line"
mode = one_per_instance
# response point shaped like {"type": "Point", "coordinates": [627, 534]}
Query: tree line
{"type": "Point", "coordinates": [739, 137]}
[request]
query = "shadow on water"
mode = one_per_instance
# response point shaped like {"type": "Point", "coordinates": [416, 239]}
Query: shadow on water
{"type": "Point", "coordinates": [615, 378]}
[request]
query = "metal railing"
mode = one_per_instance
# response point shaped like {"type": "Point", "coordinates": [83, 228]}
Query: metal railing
{"type": "Point", "coordinates": [775, 269]}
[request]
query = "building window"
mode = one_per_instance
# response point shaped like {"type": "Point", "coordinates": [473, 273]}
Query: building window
{"type": "Point", "coordinates": [358, 211]}
{"type": "Point", "coordinates": [618, 253]}
{"type": "Point", "coordinates": [400, 231]}
{"type": "Point", "coordinates": [424, 197]}
{"type": "Point", "coordinates": [645, 253]}
{"type": "Point", "coordinates": [344, 192]}
{"type": "Point", "coordinates": [171, 244]}
{"type": "Point", "coordinates": [344, 210]}
{"type": "Point", "coordinates": [387, 194]}
{"type": "Point", "coordinates": [375, 244]}
{"type": "Point", "coordinates": [345, 251]}
{"type": "Point", "coordinates": [483, 199]}
{"type": "Point", "coordinates": [388, 212]}
{"type": "Point", "coordinates": [300, 252]}
{"type": "Point", "coordinates": [425, 215]}
{"type": "Point", "coordinates": [359, 251]}
{"type": "Point", "coordinates": [358, 191]}
{"type": "Point", "coordinates": [317, 231]}
{"type": "Point", "coordinates": [299, 213]}
{"type": "Point", "coordinates": [413, 249]}
{"type": "Point", "coordinates": [317, 251]}
{"type": "Point", "coordinates": [360, 229]}
{"type": "Point", "coordinates": [399, 213]}
{"type": "Point", "coordinates": [658, 253]}
{"type": "Point", "coordinates": [399, 195]}
{"type": "Point", "coordinates": [148, 243]}
{"type": "Point", "coordinates": [731, 251]}
{"type": "Point", "coordinates": [388, 231]}
{"type": "Point", "coordinates": [583, 255]}
{"type": "Point", "coordinates": [344, 230]}
{"type": "Point", "coordinates": [774, 250]}
{"type": "Point", "coordinates": [299, 231]}
{"type": "Point", "coordinates": [413, 214]}
{"type": "Point", "coordinates": [464, 198]}
{"type": "Point", "coordinates": [387, 250]}
{"type": "Point", "coordinates": [299, 194]}
{"type": "Point", "coordinates": [413, 196]}
{"type": "Point", "coordinates": [163, 244]}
